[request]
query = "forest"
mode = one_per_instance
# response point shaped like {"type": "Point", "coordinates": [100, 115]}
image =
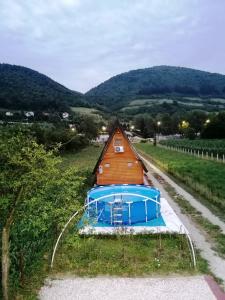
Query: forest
{"type": "Point", "coordinates": [25, 89]}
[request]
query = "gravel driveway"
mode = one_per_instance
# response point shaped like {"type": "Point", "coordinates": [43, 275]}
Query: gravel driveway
{"type": "Point", "coordinates": [106, 288]}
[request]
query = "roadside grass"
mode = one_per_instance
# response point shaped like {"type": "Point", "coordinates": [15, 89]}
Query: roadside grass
{"type": "Point", "coordinates": [133, 255]}
{"type": "Point", "coordinates": [202, 176]}
{"type": "Point", "coordinates": [213, 232]}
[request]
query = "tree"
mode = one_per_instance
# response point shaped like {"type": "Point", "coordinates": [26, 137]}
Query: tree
{"type": "Point", "coordinates": [197, 120]}
{"type": "Point", "coordinates": [59, 135]}
{"type": "Point", "coordinates": [87, 125]}
{"type": "Point", "coordinates": [145, 124]}
{"type": "Point", "coordinates": [139, 124]}
{"type": "Point", "coordinates": [166, 121]}
{"type": "Point", "coordinates": [184, 127]}
{"type": "Point", "coordinates": [26, 168]}
{"type": "Point", "coordinates": [36, 199]}
{"type": "Point", "coordinates": [215, 129]}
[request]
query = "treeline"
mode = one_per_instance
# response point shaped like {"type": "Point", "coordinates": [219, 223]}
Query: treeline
{"type": "Point", "coordinates": [204, 89]}
{"type": "Point", "coordinates": [190, 124]}
{"type": "Point", "coordinates": [68, 135]}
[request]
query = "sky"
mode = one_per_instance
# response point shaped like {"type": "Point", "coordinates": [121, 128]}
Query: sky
{"type": "Point", "coordinates": [81, 43]}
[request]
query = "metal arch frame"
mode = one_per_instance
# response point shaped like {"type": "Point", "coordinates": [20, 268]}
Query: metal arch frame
{"type": "Point", "coordinates": [190, 243]}
{"type": "Point", "coordinates": [107, 196]}
{"type": "Point", "coordinates": [192, 250]}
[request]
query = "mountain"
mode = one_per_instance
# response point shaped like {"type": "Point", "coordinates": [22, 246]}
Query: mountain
{"type": "Point", "coordinates": [153, 90]}
{"type": "Point", "coordinates": [26, 89]}
{"type": "Point", "coordinates": [120, 90]}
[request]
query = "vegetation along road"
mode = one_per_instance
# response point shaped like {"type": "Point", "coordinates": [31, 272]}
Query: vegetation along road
{"type": "Point", "coordinates": [202, 224]}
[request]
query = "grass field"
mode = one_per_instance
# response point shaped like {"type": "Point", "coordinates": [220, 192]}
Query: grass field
{"type": "Point", "coordinates": [145, 102]}
{"type": "Point", "coordinates": [88, 111]}
{"type": "Point", "coordinates": [203, 176]}
{"type": "Point", "coordinates": [84, 110]}
{"type": "Point", "coordinates": [84, 159]}
{"type": "Point", "coordinates": [202, 145]}
{"type": "Point", "coordinates": [136, 104]}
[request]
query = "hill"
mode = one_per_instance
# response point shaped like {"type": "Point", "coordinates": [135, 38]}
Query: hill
{"type": "Point", "coordinates": [153, 83]}
{"type": "Point", "coordinates": [26, 89]}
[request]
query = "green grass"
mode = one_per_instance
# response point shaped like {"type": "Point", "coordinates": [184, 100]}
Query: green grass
{"type": "Point", "coordinates": [84, 110]}
{"type": "Point", "coordinates": [84, 159]}
{"type": "Point", "coordinates": [88, 111]}
{"type": "Point", "coordinates": [213, 232]}
{"type": "Point", "coordinates": [215, 146]}
{"type": "Point", "coordinates": [203, 176]}
{"type": "Point", "coordinates": [221, 100]}
{"type": "Point", "coordinates": [191, 103]}
{"type": "Point", "coordinates": [137, 255]}
{"type": "Point", "coordinates": [141, 102]}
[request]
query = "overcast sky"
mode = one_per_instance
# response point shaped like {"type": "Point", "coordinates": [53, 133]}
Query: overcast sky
{"type": "Point", "coordinates": [81, 43]}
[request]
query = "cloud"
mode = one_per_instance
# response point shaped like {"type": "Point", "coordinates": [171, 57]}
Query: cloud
{"type": "Point", "coordinates": [81, 43]}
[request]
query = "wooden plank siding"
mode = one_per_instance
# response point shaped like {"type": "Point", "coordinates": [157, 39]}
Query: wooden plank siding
{"type": "Point", "coordinates": [119, 168]}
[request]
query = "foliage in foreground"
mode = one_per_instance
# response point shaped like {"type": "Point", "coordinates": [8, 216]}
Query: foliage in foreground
{"type": "Point", "coordinates": [205, 177]}
{"type": "Point", "coordinates": [34, 195]}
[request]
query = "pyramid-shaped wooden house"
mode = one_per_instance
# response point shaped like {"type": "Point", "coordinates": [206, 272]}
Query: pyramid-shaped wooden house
{"type": "Point", "coordinates": [119, 163]}
{"type": "Point", "coordinates": [121, 195]}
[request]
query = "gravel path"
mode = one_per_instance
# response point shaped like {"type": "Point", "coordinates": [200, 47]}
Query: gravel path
{"type": "Point", "coordinates": [195, 203]}
{"type": "Point", "coordinates": [216, 263]}
{"type": "Point", "coordinates": [106, 288]}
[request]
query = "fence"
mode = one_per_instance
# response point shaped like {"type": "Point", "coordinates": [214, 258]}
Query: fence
{"type": "Point", "coordinates": [198, 153]}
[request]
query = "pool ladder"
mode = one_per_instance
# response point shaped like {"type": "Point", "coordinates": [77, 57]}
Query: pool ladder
{"type": "Point", "coordinates": [117, 211]}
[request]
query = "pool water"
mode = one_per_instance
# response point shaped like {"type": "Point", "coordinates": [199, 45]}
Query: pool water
{"type": "Point", "coordinates": [119, 205]}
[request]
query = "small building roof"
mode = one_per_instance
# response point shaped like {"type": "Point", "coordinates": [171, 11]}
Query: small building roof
{"type": "Point", "coordinates": [116, 126]}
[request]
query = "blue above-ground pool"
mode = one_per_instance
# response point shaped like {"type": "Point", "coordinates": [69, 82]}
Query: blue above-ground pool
{"type": "Point", "coordinates": [119, 205]}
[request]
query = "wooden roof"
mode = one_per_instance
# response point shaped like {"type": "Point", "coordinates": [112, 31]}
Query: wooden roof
{"type": "Point", "coordinates": [117, 125]}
